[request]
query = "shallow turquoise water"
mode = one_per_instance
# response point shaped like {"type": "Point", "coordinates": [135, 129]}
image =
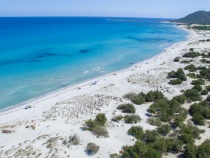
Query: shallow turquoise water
{"type": "Point", "coordinates": [40, 55]}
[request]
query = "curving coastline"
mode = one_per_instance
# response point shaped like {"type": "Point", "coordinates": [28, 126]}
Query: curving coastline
{"type": "Point", "coordinates": [64, 112]}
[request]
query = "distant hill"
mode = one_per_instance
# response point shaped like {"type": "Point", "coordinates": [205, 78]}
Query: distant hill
{"type": "Point", "coordinates": [199, 17]}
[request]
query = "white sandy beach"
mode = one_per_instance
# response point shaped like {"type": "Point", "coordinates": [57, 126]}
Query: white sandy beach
{"type": "Point", "coordinates": [63, 113]}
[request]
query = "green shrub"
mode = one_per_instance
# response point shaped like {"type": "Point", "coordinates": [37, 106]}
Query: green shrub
{"type": "Point", "coordinates": [191, 55]}
{"type": "Point", "coordinates": [139, 149]}
{"type": "Point", "coordinates": [127, 108]}
{"type": "Point", "coordinates": [193, 94]}
{"type": "Point", "coordinates": [132, 119]}
{"type": "Point", "coordinates": [175, 81]}
{"type": "Point", "coordinates": [137, 132]}
{"type": "Point", "coordinates": [164, 129]}
{"type": "Point", "coordinates": [160, 145]}
{"type": "Point", "coordinates": [190, 151]}
{"type": "Point", "coordinates": [154, 121]}
{"type": "Point", "coordinates": [115, 155]}
{"type": "Point", "coordinates": [74, 139]}
{"type": "Point", "coordinates": [117, 118]}
{"type": "Point", "coordinates": [90, 124]}
{"type": "Point", "coordinates": [191, 68]}
{"type": "Point", "coordinates": [139, 99]}
{"type": "Point", "coordinates": [153, 96]}
{"type": "Point", "coordinates": [191, 129]}
{"type": "Point", "coordinates": [92, 148]}
{"type": "Point", "coordinates": [187, 138]}
{"type": "Point", "coordinates": [101, 119]}
{"type": "Point", "coordinates": [129, 95]}
{"type": "Point", "coordinates": [152, 153]}
{"type": "Point", "coordinates": [100, 131]}
{"type": "Point", "coordinates": [205, 61]}
{"type": "Point", "coordinates": [96, 126]}
{"type": "Point", "coordinates": [198, 81]}
{"type": "Point", "coordinates": [205, 74]}
{"type": "Point", "coordinates": [197, 87]}
{"type": "Point", "coordinates": [178, 74]}
{"type": "Point", "coordinates": [151, 136]}
{"type": "Point", "coordinates": [186, 61]}
{"type": "Point", "coordinates": [173, 145]}
{"type": "Point", "coordinates": [177, 59]}
{"type": "Point", "coordinates": [204, 92]}
{"type": "Point", "coordinates": [180, 98]}
{"type": "Point", "coordinates": [198, 119]}
{"type": "Point", "coordinates": [208, 98]}
{"type": "Point", "coordinates": [194, 108]}
{"type": "Point", "coordinates": [203, 150]}
{"type": "Point", "coordinates": [192, 75]}
{"type": "Point", "coordinates": [201, 68]}
{"type": "Point", "coordinates": [208, 88]}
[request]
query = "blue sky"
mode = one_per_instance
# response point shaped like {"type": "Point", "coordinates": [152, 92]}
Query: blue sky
{"type": "Point", "coordinates": [124, 8]}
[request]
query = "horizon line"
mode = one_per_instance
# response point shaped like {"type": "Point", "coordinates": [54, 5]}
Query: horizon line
{"type": "Point", "coordinates": [52, 16]}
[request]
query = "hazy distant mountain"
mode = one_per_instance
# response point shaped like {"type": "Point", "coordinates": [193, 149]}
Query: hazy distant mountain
{"type": "Point", "coordinates": [199, 17]}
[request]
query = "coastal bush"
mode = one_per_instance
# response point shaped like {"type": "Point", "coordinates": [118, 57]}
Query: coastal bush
{"type": "Point", "coordinates": [208, 98]}
{"type": "Point", "coordinates": [117, 118]}
{"type": "Point", "coordinates": [180, 98]}
{"type": "Point", "coordinates": [96, 126]}
{"type": "Point", "coordinates": [175, 81]}
{"type": "Point", "coordinates": [198, 81]}
{"type": "Point", "coordinates": [74, 140]}
{"type": "Point", "coordinates": [152, 153]}
{"type": "Point", "coordinates": [173, 145]}
{"type": "Point", "coordinates": [139, 99]}
{"type": "Point", "coordinates": [127, 108]}
{"type": "Point", "coordinates": [132, 119]}
{"type": "Point", "coordinates": [201, 68]}
{"type": "Point", "coordinates": [191, 54]}
{"type": "Point", "coordinates": [191, 68]}
{"type": "Point", "coordinates": [205, 61]}
{"type": "Point", "coordinates": [194, 108]}
{"type": "Point", "coordinates": [160, 145]}
{"type": "Point", "coordinates": [100, 131]}
{"type": "Point", "coordinates": [129, 95]}
{"type": "Point", "coordinates": [90, 124]}
{"type": "Point", "coordinates": [204, 92]}
{"type": "Point", "coordinates": [197, 87]}
{"type": "Point", "coordinates": [203, 150]}
{"type": "Point", "coordinates": [198, 119]}
{"type": "Point", "coordinates": [115, 155]}
{"type": "Point", "coordinates": [205, 55]}
{"type": "Point", "coordinates": [101, 119]}
{"type": "Point", "coordinates": [191, 49]}
{"type": "Point", "coordinates": [208, 88]}
{"type": "Point", "coordinates": [154, 121]}
{"type": "Point", "coordinates": [139, 149]}
{"type": "Point", "coordinates": [151, 136]}
{"type": "Point", "coordinates": [205, 74]}
{"type": "Point", "coordinates": [186, 61]}
{"type": "Point", "coordinates": [192, 94]}
{"type": "Point", "coordinates": [164, 129]}
{"type": "Point", "coordinates": [177, 59]}
{"type": "Point", "coordinates": [187, 138]}
{"type": "Point", "coordinates": [153, 96]}
{"type": "Point", "coordinates": [190, 151]}
{"type": "Point", "coordinates": [191, 129]}
{"type": "Point", "coordinates": [92, 148]}
{"type": "Point", "coordinates": [179, 74]}
{"type": "Point", "coordinates": [137, 132]}
{"type": "Point", "coordinates": [192, 75]}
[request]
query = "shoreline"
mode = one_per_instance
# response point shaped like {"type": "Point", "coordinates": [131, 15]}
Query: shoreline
{"type": "Point", "coordinates": [83, 83]}
{"type": "Point", "coordinates": [55, 117]}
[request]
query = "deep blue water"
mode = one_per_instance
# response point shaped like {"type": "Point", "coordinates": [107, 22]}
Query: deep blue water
{"type": "Point", "coordinates": [40, 55]}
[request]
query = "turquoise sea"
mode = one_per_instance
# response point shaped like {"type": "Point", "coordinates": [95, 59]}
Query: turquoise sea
{"type": "Point", "coordinates": [39, 55]}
